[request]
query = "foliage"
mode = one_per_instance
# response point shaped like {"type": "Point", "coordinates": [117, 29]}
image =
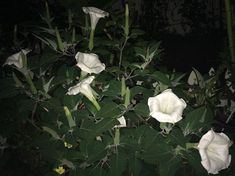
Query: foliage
{"type": "Point", "coordinates": [46, 131]}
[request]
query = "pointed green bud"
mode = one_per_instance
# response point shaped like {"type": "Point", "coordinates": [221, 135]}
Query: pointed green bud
{"type": "Point", "coordinates": [127, 97]}
{"type": "Point", "coordinates": [69, 117]}
{"type": "Point", "coordinates": [123, 88]}
{"type": "Point", "coordinates": [60, 44]}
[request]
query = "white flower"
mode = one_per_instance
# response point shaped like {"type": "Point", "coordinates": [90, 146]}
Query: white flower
{"type": "Point", "coordinates": [16, 59]}
{"type": "Point", "coordinates": [166, 107]}
{"type": "Point", "coordinates": [89, 63]}
{"type": "Point", "coordinates": [95, 15]}
{"type": "Point", "coordinates": [211, 72]}
{"type": "Point", "coordinates": [214, 150]}
{"type": "Point", "coordinates": [122, 122]}
{"type": "Point", "coordinates": [192, 79]}
{"type": "Point", "coordinates": [83, 87]}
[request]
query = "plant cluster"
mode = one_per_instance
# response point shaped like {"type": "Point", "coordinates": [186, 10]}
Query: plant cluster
{"type": "Point", "coordinates": [96, 102]}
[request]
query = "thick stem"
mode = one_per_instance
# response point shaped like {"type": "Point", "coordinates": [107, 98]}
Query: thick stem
{"type": "Point", "coordinates": [31, 84]}
{"type": "Point", "coordinates": [121, 51]}
{"type": "Point", "coordinates": [91, 40]}
{"type": "Point", "coordinates": [229, 14]}
{"type": "Point", "coordinates": [82, 75]}
{"type": "Point", "coordinates": [116, 139]}
{"type": "Point", "coordinates": [191, 145]}
{"type": "Point", "coordinates": [96, 104]}
{"type": "Point", "coordinates": [126, 29]}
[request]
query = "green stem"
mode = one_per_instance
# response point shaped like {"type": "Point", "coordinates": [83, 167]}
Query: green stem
{"type": "Point", "coordinates": [30, 82]}
{"type": "Point", "coordinates": [116, 139]}
{"type": "Point", "coordinates": [121, 51]}
{"type": "Point", "coordinates": [191, 145]}
{"type": "Point", "coordinates": [91, 40]}
{"type": "Point", "coordinates": [126, 29]}
{"type": "Point", "coordinates": [83, 74]}
{"type": "Point", "coordinates": [230, 33]}
{"type": "Point", "coordinates": [95, 103]}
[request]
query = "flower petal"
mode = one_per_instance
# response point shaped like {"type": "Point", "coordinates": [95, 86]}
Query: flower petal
{"type": "Point", "coordinates": [89, 63]}
{"type": "Point", "coordinates": [166, 107]}
{"type": "Point", "coordinates": [214, 151]}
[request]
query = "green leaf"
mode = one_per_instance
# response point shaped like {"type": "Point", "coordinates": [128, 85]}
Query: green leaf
{"type": "Point", "coordinates": [51, 132]}
{"type": "Point", "coordinates": [169, 167]}
{"type": "Point", "coordinates": [118, 164]}
{"type": "Point", "coordinates": [114, 89]}
{"type": "Point", "coordinates": [103, 125]}
{"type": "Point", "coordinates": [60, 44]}
{"type": "Point", "coordinates": [142, 109]}
{"type": "Point", "coordinates": [154, 147]}
{"type": "Point", "coordinates": [194, 160]}
{"type": "Point", "coordinates": [108, 109]}
{"type": "Point", "coordinates": [71, 101]}
{"type": "Point", "coordinates": [177, 137]}
{"type": "Point", "coordinates": [93, 150]}
{"type": "Point", "coordinates": [159, 76]}
{"type": "Point", "coordinates": [196, 119]}
{"type": "Point", "coordinates": [135, 166]}
{"type": "Point", "coordinates": [142, 92]}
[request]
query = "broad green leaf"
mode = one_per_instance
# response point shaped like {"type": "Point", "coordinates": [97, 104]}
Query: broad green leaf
{"type": "Point", "coordinates": [177, 137]}
{"type": "Point", "coordinates": [194, 160]}
{"type": "Point", "coordinates": [114, 88]}
{"type": "Point", "coordinates": [142, 109]}
{"type": "Point", "coordinates": [97, 170]}
{"type": "Point", "coordinates": [118, 164]}
{"type": "Point", "coordinates": [195, 120]}
{"type": "Point", "coordinates": [140, 93]}
{"type": "Point", "coordinates": [108, 109]}
{"type": "Point", "coordinates": [93, 150]}
{"type": "Point", "coordinates": [159, 76]}
{"type": "Point", "coordinates": [71, 101]}
{"type": "Point", "coordinates": [135, 166]}
{"type": "Point", "coordinates": [169, 167]}
{"type": "Point", "coordinates": [51, 104]}
{"type": "Point", "coordinates": [154, 147]}
{"type": "Point", "coordinates": [103, 125]}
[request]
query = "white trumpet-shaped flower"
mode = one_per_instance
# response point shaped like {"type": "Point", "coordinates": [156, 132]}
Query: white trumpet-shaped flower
{"type": "Point", "coordinates": [89, 63]}
{"type": "Point", "coordinates": [214, 151]}
{"type": "Point", "coordinates": [16, 59]}
{"type": "Point", "coordinates": [83, 87]}
{"type": "Point", "coordinates": [95, 15]}
{"type": "Point", "coordinates": [166, 107]}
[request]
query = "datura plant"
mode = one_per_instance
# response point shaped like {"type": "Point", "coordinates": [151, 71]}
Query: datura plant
{"type": "Point", "coordinates": [95, 112]}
